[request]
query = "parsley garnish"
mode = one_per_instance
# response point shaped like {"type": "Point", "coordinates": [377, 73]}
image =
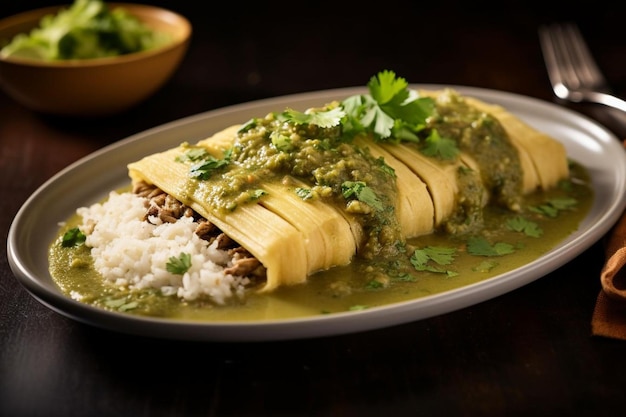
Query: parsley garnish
{"type": "Point", "coordinates": [73, 237]}
{"type": "Point", "coordinates": [180, 265]}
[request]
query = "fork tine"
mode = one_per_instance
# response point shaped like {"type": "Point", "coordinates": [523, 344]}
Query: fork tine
{"type": "Point", "coordinates": [573, 73]}
{"type": "Point", "coordinates": [555, 62]}
{"type": "Point", "coordinates": [584, 61]}
{"type": "Point", "coordinates": [568, 58]}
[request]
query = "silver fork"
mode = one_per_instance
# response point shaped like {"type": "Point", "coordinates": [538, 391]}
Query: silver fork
{"type": "Point", "coordinates": [572, 70]}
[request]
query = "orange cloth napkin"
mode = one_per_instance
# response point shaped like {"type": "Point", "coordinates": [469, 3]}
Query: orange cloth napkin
{"type": "Point", "coordinates": [609, 316]}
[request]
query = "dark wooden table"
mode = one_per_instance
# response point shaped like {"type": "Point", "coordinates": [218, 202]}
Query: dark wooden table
{"type": "Point", "coordinates": [528, 352]}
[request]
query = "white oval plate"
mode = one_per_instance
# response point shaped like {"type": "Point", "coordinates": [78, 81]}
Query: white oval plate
{"type": "Point", "coordinates": [91, 178]}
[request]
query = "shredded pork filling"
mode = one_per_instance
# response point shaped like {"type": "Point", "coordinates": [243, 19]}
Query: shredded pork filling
{"type": "Point", "coordinates": [169, 209]}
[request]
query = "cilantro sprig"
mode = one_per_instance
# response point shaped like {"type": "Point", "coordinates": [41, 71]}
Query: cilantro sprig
{"type": "Point", "coordinates": [203, 163]}
{"type": "Point", "coordinates": [479, 246]}
{"type": "Point", "coordinates": [323, 118]}
{"type": "Point", "coordinates": [431, 258]}
{"type": "Point", "coordinates": [179, 265]}
{"type": "Point", "coordinates": [360, 191]}
{"type": "Point", "coordinates": [304, 193]}
{"type": "Point", "coordinates": [193, 154]}
{"type": "Point", "coordinates": [73, 237]}
{"type": "Point", "coordinates": [440, 147]}
{"type": "Point", "coordinates": [523, 225]}
{"type": "Point", "coordinates": [554, 206]}
{"type": "Point", "coordinates": [438, 259]}
{"type": "Point", "coordinates": [390, 110]}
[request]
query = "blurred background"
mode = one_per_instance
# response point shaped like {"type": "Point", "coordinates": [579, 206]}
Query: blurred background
{"type": "Point", "coordinates": [270, 48]}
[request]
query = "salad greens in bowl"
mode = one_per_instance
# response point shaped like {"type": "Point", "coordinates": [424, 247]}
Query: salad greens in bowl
{"type": "Point", "coordinates": [90, 58]}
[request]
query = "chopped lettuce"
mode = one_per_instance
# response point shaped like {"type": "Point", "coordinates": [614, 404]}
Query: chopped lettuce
{"type": "Point", "coordinates": [87, 29]}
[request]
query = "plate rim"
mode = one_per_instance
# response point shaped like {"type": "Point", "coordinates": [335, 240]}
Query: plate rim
{"type": "Point", "coordinates": [314, 326]}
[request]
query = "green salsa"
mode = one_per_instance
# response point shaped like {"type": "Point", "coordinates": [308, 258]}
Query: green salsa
{"type": "Point", "coordinates": [348, 176]}
{"type": "Point", "coordinates": [362, 284]}
{"type": "Point", "coordinates": [329, 167]}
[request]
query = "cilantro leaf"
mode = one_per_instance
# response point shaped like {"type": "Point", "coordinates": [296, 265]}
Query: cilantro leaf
{"type": "Point", "coordinates": [376, 119]}
{"type": "Point", "coordinates": [304, 193]}
{"type": "Point", "coordinates": [386, 87]}
{"type": "Point", "coordinates": [205, 167]}
{"type": "Point", "coordinates": [324, 118]}
{"type": "Point", "coordinates": [479, 246]}
{"type": "Point", "coordinates": [256, 194]}
{"type": "Point", "coordinates": [250, 124]}
{"type": "Point", "coordinates": [485, 266]}
{"type": "Point", "coordinates": [439, 147]}
{"type": "Point", "coordinates": [121, 304]}
{"type": "Point", "coordinates": [546, 210]}
{"type": "Point", "coordinates": [522, 225]}
{"type": "Point", "coordinates": [180, 265]}
{"type": "Point", "coordinates": [129, 306]}
{"type": "Point", "coordinates": [404, 277]}
{"type": "Point", "coordinates": [553, 206]}
{"type": "Point", "coordinates": [360, 191]}
{"type": "Point", "coordinates": [353, 106]}
{"type": "Point", "coordinates": [441, 255]}
{"type": "Point", "coordinates": [382, 165]}
{"type": "Point", "coordinates": [374, 285]}
{"type": "Point", "coordinates": [414, 111]}
{"type": "Point", "coordinates": [193, 154]}
{"type": "Point", "coordinates": [73, 237]}
{"type": "Point", "coordinates": [281, 142]}
{"type": "Point", "coordinates": [565, 203]}
{"type": "Point", "coordinates": [390, 110]}
{"type": "Point", "coordinates": [421, 259]}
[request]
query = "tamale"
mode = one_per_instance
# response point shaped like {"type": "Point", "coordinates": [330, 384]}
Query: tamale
{"type": "Point", "coordinates": [548, 157]}
{"type": "Point", "coordinates": [294, 238]}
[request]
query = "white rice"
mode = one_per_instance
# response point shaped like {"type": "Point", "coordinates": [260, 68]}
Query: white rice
{"type": "Point", "coordinates": [132, 253]}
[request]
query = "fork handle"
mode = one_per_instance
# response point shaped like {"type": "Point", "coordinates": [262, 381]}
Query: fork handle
{"type": "Point", "coordinates": [603, 98]}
